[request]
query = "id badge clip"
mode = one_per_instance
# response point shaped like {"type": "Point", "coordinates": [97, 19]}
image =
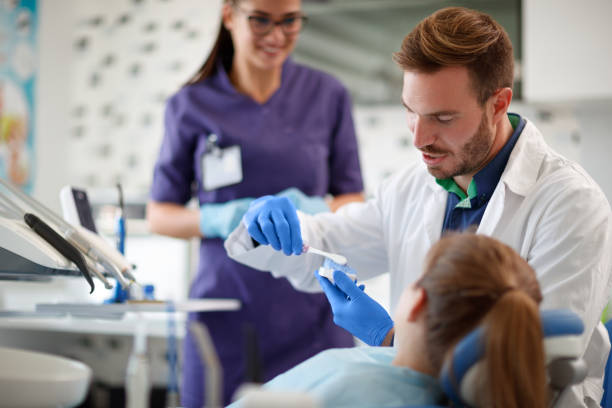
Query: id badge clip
{"type": "Point", "coordinates": [221, 167]}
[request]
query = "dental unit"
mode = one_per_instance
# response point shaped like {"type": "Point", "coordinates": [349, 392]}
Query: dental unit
{"type": "Point", "coordinates": [34, 242]}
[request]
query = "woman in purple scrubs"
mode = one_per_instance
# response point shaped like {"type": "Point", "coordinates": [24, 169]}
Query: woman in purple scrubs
{"type": "Point", "coordinates": [251, 122]}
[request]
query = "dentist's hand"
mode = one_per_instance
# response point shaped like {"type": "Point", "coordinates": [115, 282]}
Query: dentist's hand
{"type": "Point", "coordinates": [218, 220]}
{"type": "Point", "coordinates": [273, 221]}
{"type": "Point", "coordinates": [355, 311]}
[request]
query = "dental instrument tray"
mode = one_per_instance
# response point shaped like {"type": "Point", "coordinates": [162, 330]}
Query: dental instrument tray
{"type": "Point", "coordinates": [117, 310]}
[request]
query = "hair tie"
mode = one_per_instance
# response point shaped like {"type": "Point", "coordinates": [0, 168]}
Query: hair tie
{"type": "Point", "coordinates": [506, 290]}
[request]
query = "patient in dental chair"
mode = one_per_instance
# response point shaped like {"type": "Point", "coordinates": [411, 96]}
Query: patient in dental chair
{"type": "Point", "coordinates": [468, 280]}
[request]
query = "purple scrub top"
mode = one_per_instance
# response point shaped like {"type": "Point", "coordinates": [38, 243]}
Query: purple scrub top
{"type": "Point", "coordinates": [303, 137]}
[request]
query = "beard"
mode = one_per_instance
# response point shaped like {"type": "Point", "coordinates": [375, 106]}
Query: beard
{"type": "Point", "coordinates": [472, 156]}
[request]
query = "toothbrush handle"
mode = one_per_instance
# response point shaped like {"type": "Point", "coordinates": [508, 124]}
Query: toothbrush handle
{"type": "Point", "coordinates": [317, 251]}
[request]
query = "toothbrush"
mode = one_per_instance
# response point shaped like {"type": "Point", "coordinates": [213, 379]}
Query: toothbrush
{"type": "Point", "coordinates": [339, 259]}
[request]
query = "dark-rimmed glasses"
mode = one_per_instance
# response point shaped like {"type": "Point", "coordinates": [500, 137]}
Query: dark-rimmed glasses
{"type": "Point", "coordinates": [262, 25]}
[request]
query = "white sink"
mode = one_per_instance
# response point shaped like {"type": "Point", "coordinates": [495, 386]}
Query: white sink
{"type": "Point", "coordinates": [30, 379]}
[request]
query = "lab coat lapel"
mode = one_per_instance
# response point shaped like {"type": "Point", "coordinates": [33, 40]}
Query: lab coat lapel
{"type": "Point", "coordinates": [521, 172]}
{"type": "Point", "coordinates": [519, 176]}
{"type": "Point", "coordinates": [433, 212]}
{"type": "Point", "coordinates": [494, 211]}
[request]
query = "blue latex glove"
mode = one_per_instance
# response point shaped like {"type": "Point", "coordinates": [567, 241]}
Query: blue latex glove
{"type": "Point", "coordinates": [273, 221]}
{"type": "Point", "coordinates": [309, 205]}
{"type": "Point", "coordinates": [218, 220]}
{"type": "Point", "coordinates": [355, 311]}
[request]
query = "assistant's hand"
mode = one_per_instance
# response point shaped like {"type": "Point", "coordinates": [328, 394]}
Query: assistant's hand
{"type": "Point", "coordinates": [309, 205]}
{"type": "Point", "coordinates": [273, 221]}
{"type": "Point", "coordinates": [218, 220]}
{"type": "Point", "coordinates": [355, 311]}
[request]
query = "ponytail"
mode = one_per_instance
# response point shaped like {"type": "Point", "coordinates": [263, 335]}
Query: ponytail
{"type": "Point", "coordinates": [515, 362]}
{"type": "Point", "coordinates": [222, 51]}
{"type": "Point", "coordinates": [467, 279]}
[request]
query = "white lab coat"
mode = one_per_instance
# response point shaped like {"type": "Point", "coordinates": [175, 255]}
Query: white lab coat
{"type": "Point", "coordinates": [545, 207]}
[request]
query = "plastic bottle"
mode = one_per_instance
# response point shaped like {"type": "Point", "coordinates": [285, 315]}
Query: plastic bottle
{"type": "Point", "coordinates": [137, 381]}
{"type": "Point", "coordinates": [149, 292]}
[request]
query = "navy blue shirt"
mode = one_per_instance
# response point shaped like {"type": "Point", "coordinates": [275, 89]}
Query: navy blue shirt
{"type": "Point", "coordinates": [463, 210]}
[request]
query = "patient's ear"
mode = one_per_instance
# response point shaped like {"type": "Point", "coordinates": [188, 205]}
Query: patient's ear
{"type": "Point", "coordinates": [419, 301]}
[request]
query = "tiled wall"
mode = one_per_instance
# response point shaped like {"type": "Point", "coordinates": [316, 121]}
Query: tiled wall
{"type": "Point", "coordinates": [128, 57]}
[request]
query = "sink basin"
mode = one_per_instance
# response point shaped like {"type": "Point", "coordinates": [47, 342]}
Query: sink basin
{"type": "Point", "coordinates": [30, 379]}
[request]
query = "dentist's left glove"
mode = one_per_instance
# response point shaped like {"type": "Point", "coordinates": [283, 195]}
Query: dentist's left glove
{"type": "Point", "coordinates": [355, 311]}
{"type": "Point", "coordinates": [218, 220]}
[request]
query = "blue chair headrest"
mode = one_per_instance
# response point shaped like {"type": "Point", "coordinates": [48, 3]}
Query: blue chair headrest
{"type": "Point", "coordinates": [562, 325]}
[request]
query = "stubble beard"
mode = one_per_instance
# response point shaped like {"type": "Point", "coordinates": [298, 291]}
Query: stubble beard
{"type": "Point", "coordinates": [472, 156]}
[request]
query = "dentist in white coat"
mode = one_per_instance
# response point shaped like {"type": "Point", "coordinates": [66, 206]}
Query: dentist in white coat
{"type": "Point", "coordinates": [481, 166]}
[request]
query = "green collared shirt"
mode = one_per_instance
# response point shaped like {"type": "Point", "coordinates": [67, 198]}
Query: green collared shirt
{"type": "Point", "coordinates": [464, 210]}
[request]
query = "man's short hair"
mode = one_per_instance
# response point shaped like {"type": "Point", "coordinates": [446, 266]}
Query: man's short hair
{"type": "Point", "coordinates": [457, 36]}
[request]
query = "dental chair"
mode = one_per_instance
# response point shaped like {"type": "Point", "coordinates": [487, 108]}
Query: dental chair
{"type": "Point", "coordinates": [561, 329]}
{"type": "Point", "coordinates": [459, 379]}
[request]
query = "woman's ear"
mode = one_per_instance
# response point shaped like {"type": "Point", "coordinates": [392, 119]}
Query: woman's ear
{"type": "Point", "coordinates": [227, 16]}
{"type": "Point", "coordinates": [418, 304]}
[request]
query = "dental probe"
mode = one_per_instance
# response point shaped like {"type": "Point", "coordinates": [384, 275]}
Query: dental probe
{"type": "Point", "coordinates": [339, 259]}
{"type": "Point", "coordinates": [93, 267]}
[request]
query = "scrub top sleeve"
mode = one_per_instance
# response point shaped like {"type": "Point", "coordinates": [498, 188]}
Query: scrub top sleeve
{"type": "Point", "coordinates": [345, 170]}
{"type": "Point", "coordinates": [173, 174]}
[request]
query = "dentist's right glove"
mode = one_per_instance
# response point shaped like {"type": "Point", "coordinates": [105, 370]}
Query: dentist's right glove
{"type": "Point", "coordinates": [273, 221]}
{"type": "Point", "coordinates": [355, 311]}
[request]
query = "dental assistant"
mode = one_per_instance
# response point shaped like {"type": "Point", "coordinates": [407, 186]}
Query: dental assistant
{"type": "Point", "coordinates": [252, 122]}
{"type": "Point", "coordinates": [481, 166]}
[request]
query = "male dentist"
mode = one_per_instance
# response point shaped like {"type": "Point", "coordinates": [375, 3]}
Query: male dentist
{"type": "Point", "coordinates": [480, 166]}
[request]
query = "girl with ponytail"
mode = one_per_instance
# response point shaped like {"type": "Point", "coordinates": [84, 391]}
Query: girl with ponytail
{"type": "Point", "coordinates": [472, 280]}
{"type": "Point", "coordinates": [468, 280]}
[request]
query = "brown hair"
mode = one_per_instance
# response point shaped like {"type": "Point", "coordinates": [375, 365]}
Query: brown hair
{"type": "Point", "coordinates": [456, 36]}
{"type": "Point", "coordinates": [222, 51]}
{"type": "Point", "coordinates": [472, 279]}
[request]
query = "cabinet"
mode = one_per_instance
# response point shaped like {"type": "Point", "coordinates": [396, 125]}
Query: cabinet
{"type": "Point", "coordinates": [567, 50]}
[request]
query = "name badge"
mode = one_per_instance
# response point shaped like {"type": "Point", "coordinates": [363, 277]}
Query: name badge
{"type": "Point", "coordinates": [221, 167]}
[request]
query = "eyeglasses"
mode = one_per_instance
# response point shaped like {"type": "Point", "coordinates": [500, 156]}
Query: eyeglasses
{"type": "Point", "coordinates": [262, 25]}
